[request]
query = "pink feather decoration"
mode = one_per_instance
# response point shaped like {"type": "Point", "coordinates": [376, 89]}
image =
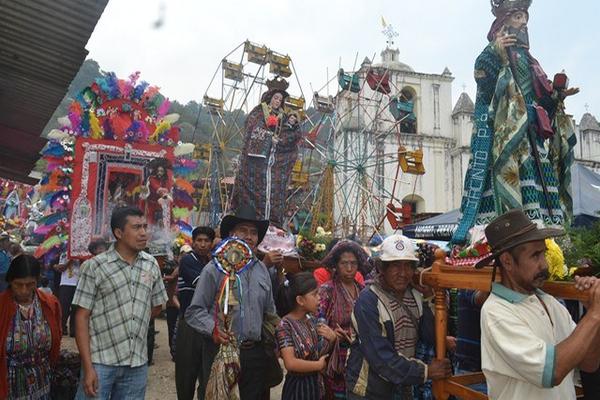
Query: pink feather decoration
{"type": "Point", "coordinates": [52, 165]}
{"type": "Point", "coordinates": [185, 162]}
{"type": "Point", "coordinates": [145, 131]}
{"type": "Point", "coordinates": [133, 78]}
{"type": "Point", "coordinates": [75, 121]}
{"type": "Point", "coordinates": [164, 108]}
{"type": "Point", "coordinates": [75, 112]}
{"type": "Point", "coordinates": [123, 88]}
{"type": "Point", "coordinates": [44, 229]}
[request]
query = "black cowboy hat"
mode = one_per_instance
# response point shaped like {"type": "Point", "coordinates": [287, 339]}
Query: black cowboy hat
{"type": "Point", "coordinates": [244, 214]}
{"type": "Point", "coordinates": [512, 229]}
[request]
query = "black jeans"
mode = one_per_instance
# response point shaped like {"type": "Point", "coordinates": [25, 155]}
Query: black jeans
{"type": "Point", "coordinates": [151, 339]}
{"type": "Point", "coordinates": [188, 366]}
{"type": "Point", "coordinates": [253, 364]}
{"type": "Point", "coordinates": [172, 314]}
{"type": "Point", "coordinates": [591, 384]}
{"type": "Point", "coordinates": [191, 360]}
{"type": "Point", "coordinates": [65, 296]}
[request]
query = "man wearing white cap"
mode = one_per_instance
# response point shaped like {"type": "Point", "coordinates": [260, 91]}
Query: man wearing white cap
{"type": "Point", "coordinates": [386, 319]}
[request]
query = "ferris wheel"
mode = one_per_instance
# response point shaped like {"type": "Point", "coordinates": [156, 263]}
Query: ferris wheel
{"type": "Point", "coordinates": [367, 165]}
{"type": "Point", "coordinates": [235, 88]}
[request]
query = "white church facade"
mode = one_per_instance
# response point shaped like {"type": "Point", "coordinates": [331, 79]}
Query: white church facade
{"type": "Point", "coordinates": [368, 138]}
{"type": "Point", "coordinates": [440, 129]}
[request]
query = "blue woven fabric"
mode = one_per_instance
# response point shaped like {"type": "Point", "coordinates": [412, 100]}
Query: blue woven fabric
{"type": "Point", "coordinates": [503, 172]}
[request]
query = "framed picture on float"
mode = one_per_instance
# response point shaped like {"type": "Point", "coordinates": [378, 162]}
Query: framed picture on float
{"type": "Point", "coordinates": [113, 173]}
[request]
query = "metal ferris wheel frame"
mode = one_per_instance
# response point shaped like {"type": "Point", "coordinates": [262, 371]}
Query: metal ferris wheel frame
{"type": "Point", "coordinates": [351, 193]}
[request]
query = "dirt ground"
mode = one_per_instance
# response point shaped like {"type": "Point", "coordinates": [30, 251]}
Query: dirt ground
{"type": "Point", "coordinates": [161, 375]}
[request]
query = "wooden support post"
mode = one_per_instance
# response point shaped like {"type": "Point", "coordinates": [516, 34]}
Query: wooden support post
{"type": "Point", "coordinates": [441, 326]}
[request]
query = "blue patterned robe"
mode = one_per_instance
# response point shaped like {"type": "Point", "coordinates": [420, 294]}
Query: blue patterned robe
{"type": "Point", "coordinates": [502, 172]}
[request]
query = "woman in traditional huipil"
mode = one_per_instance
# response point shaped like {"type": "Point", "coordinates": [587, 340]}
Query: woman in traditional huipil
{"type": "Point", "coordinates": [30, 333]}
{"type": "Point", "coordinates": [522, 143]}
{"type": "Point", "coordinates": [337, 298]}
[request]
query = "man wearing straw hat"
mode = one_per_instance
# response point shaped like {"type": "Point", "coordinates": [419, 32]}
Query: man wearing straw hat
{"type": "Point", "coordinates": [529, 343]}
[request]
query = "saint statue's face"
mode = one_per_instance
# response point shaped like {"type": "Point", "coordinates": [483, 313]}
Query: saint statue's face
{"type": "Point", "coordinates": [276, 100]}
{"type": "Point", "coordinates": [518, 20]}
{"type": "Point", "coordinates": [160, 172]}
{"type": "Point", "coordinates": [517, 25]}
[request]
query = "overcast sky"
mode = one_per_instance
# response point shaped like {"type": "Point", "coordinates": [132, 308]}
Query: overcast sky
{"type": "Point", "coordinates": [181, 55]}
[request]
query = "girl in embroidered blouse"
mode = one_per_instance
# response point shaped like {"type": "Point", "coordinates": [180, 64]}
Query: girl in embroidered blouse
{"type": "Point", "coordinates": [303, 343]}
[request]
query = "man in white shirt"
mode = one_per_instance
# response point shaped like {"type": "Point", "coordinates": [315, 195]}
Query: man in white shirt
{"type": "Point", "coordinates": [529, 343]}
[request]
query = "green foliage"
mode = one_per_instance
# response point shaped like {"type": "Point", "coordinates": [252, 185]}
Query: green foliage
{"type": "Point", "coordinates": [582, 246]}
{"type": "Point", "coordinates": [313, 247]}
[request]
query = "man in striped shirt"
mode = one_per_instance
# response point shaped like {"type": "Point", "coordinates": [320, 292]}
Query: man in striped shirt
{"type": "Point", "coordinates": [386, 319]}
{"type": "Point", "coordinates": [188, 361]}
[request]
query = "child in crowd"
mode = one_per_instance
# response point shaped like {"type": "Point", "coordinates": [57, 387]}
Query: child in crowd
{"type": "Point", "coordinates": [45, 285]}
{"type": "Point", "coordinates": [303, 343]}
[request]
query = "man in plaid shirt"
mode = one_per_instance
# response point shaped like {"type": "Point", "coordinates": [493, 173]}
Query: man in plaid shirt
{"type": "Point", "coordinates": [117, 293]}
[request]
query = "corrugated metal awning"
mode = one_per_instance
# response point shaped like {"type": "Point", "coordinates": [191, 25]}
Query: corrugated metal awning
{"type": "Point", "coordinates": [42, 46]}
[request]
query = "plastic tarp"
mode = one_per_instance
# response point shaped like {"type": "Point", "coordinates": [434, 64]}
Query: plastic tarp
{"type": "Point", "coordinates": [585, 186]}
{"type": "Point", "coordinates": [440, 227]}
{"type": "Point", "coordinates": [586, 195]}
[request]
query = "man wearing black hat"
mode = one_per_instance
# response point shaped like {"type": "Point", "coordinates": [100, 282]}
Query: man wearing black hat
{"type": "Point", "coordinates": [247, 318]}
{"type": "Point", "coordinates": [529, 343]}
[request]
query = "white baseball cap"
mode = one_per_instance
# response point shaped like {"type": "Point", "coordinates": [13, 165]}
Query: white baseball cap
{"type": "Point", "coordinates": [398, 248]}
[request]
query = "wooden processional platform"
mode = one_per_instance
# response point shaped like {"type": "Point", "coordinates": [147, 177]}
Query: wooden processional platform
{"type": "Point", "coordinates": [442, 277]}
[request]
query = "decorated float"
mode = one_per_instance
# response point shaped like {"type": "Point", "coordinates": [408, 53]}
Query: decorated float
{"type": "Point", "coordinates": [117, 146]}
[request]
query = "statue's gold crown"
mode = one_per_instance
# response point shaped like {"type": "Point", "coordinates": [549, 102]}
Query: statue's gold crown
{"type": "Point", "coordinates": [277, 83]}
{"type": "Point", "coordinates": [502, 7]}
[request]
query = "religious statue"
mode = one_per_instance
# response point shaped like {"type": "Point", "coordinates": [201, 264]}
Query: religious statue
{"type": "Point", "coordinates": [522, 143]}
{"type": "Point", "coordinates": [268, 155]}
{"type": "Point", "coordinates": [157, 193]}
{"type": "Point", "coordinates": [12, 205]}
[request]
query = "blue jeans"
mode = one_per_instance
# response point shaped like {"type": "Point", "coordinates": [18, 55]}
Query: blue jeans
{"type": "Point", "coordinates": [117, 383]}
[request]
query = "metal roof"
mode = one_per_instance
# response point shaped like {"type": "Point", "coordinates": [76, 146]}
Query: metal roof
{"type": "Point", "coordinates": [42, 46]}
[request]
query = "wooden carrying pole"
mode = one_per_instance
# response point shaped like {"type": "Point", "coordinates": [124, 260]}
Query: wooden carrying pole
{"type": "Point", "coordinates": [442, 277]}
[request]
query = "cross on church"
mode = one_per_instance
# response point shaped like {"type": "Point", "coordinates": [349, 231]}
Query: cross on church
{"type": "Point", "coordinates": [389, 32]}
{"type": "Point", "coordinates": [587, 107]}
{"type": "Point", "coordinates": [464, 86]}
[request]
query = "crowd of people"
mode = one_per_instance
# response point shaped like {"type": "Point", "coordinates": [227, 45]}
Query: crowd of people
{"type": "Point", "coordinates": [356, 335]}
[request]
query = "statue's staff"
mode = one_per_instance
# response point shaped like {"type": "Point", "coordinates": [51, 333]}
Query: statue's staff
{"type": "Point", "coordinates": [509, 41]}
